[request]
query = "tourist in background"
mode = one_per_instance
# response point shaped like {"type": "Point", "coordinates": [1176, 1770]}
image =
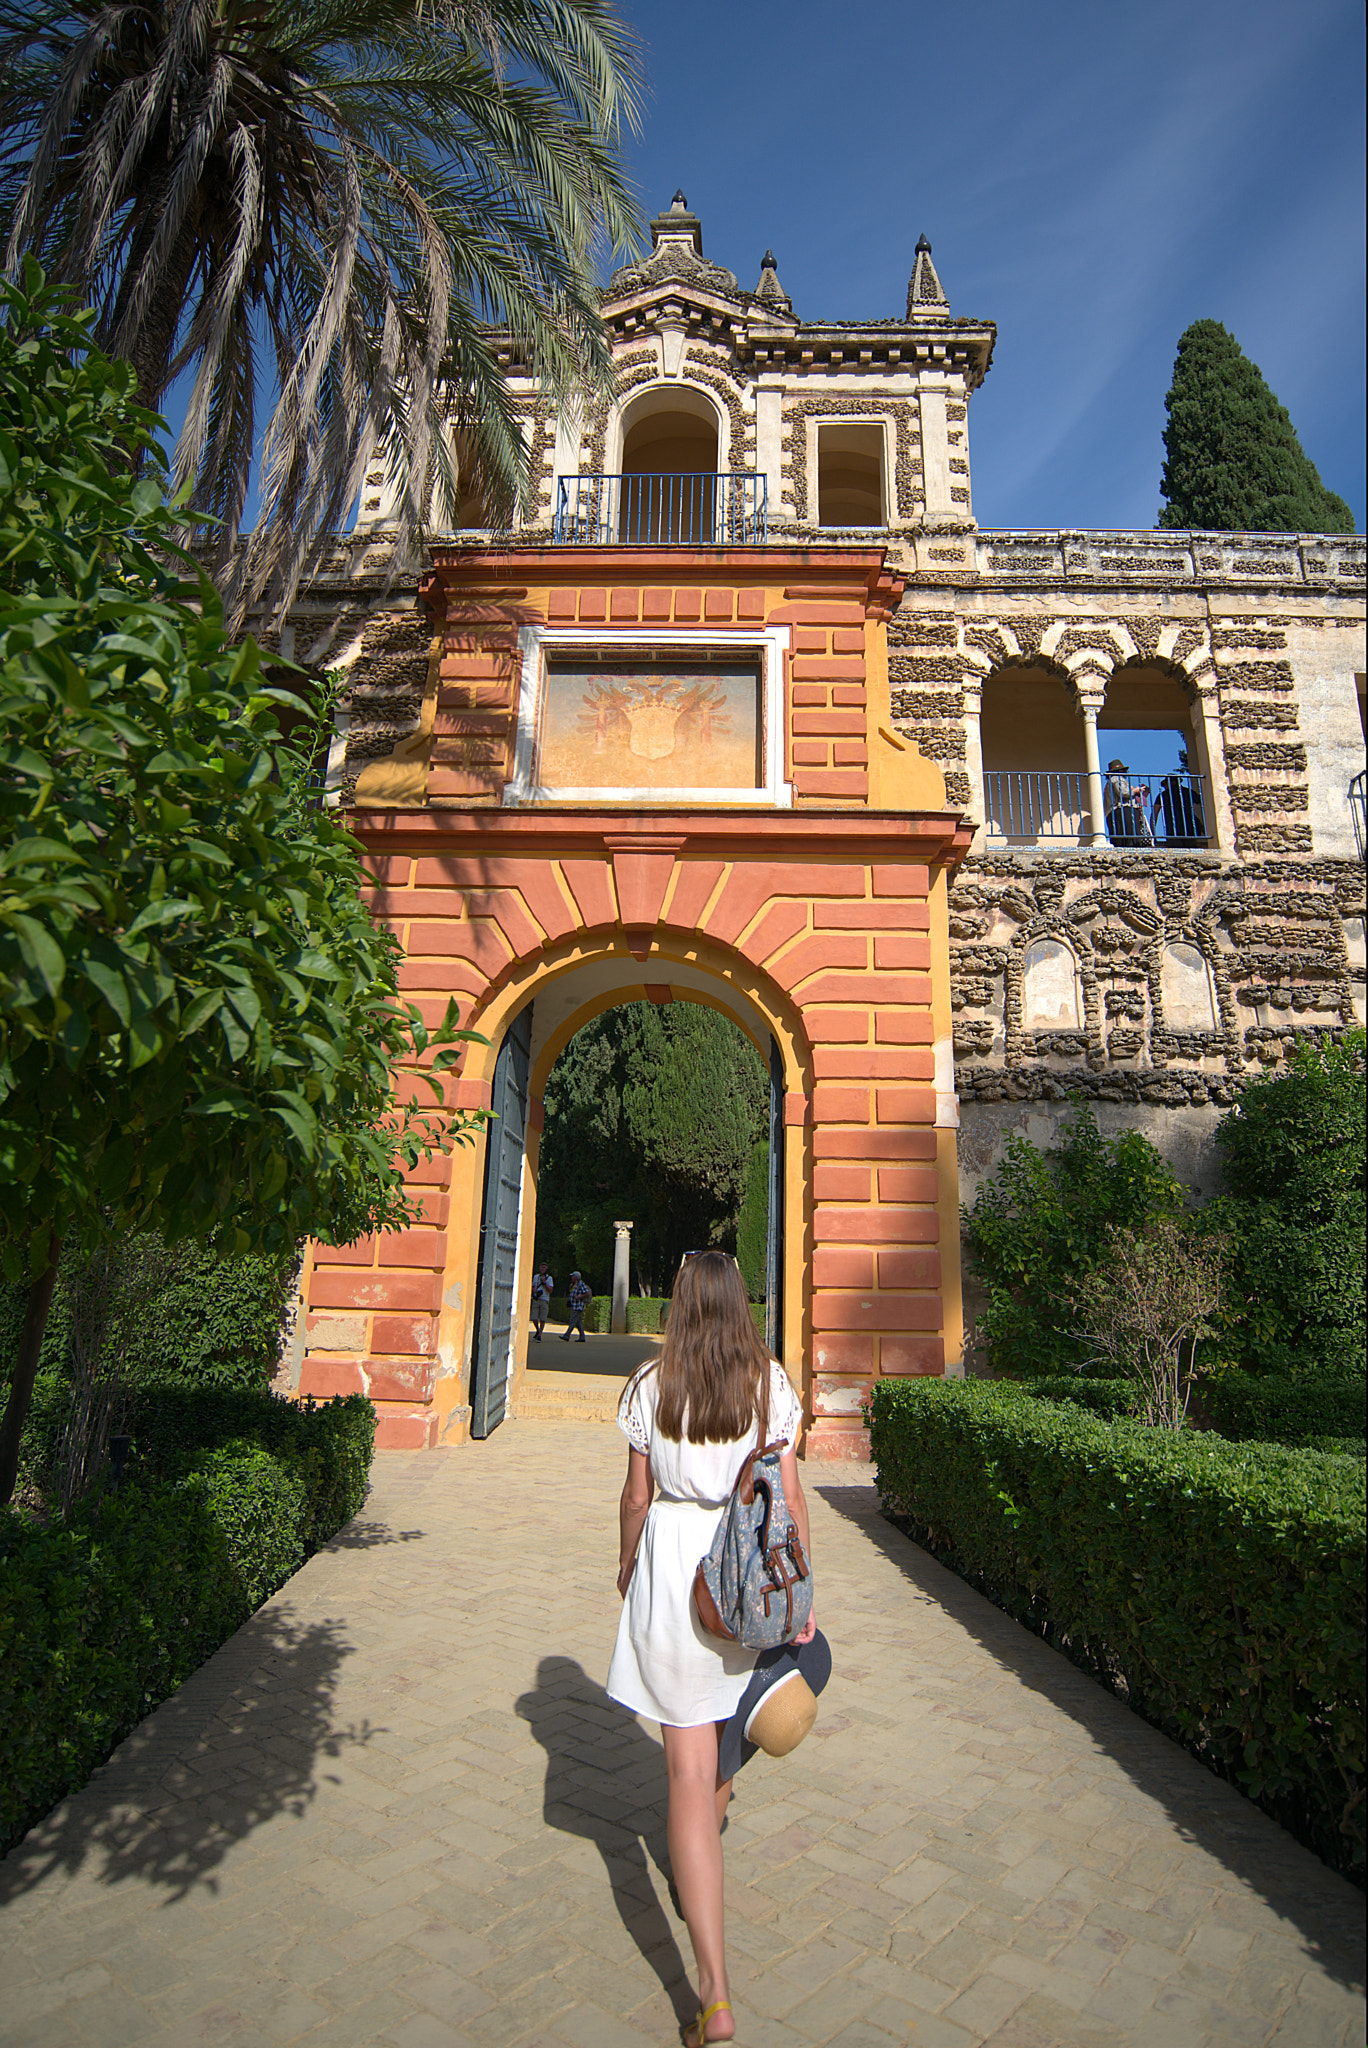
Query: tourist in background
{"type": "Point", "coordinates": [543, 1286]}
{"type": "Point", "coordinates": [578, 1300]}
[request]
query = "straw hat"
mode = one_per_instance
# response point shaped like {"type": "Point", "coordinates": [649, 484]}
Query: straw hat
{"type": "Point", "coordinates": [779, 1706]}
{"type": "Point", "coordinates": [784, 1716]}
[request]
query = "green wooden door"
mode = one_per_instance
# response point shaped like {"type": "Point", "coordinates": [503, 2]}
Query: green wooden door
{"type": "Point", "coordinates": [491, 1359]}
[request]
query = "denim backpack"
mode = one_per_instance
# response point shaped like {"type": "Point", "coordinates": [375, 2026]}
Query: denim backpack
{"type": "Point", "coordinates": [754, 1587]}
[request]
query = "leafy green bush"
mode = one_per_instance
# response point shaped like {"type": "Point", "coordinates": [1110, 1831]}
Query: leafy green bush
{"type": "Point", "coordinates": [217, 1317]}
{"type": "Point", "coordinates": [1217, 1587]}
{"type": "Point", "coordinates": [101, 1621]}
{"type": "Point", "coordinates": [1293, 1206]}
{"type": "Point", "coordinates": [1101, 1397]}
{"type": "Point", "coordinates": [207, 1315]}
{"type": "Point", "coordinates": [1285, 1408]}
{"type": "Point", "coordinates": [1044, 1221]}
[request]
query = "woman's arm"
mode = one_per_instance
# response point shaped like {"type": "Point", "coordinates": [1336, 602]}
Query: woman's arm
{"type": "Point", "coordinates": [797, 1507]}
{"type": "Point", "coordinates": [637, 1490]}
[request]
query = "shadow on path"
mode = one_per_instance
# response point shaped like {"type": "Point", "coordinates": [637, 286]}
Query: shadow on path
{"type": "Point", "coordinates": [1205, 1810]}
{"type": "Point", "coordinates": [603, 1356]}
{"type": "Point", "coordinates": [605, 1781]}
{"type": "Point", "coordinates": [236, 1745]}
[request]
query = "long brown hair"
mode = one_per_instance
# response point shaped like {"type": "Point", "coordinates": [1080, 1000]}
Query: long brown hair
{"type": "Point", "coordinates": [712, 1363]}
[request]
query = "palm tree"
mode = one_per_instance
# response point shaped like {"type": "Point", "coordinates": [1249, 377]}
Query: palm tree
{"type": "Point", "coordinates": [328, 203]}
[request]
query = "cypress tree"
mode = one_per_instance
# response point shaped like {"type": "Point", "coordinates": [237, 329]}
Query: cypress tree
{"type": "Point", "coordinates": [1235, 464]}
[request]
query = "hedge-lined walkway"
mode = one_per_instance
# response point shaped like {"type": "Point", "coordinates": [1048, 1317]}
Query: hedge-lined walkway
{"type": "Point", "coordinates": [397, 1808]}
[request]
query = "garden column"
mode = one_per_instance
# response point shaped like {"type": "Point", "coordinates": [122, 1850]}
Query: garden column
{"type": "Point", "coordinates": [622, 1246]}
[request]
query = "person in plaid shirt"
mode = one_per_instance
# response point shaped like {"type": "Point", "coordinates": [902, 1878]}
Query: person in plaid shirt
{"type": "Point", "coordinates": [578, 1301]}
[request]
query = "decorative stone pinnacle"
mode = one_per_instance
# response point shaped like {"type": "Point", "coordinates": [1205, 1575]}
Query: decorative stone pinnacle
{"type": "Point", "coordinates": [769, 288]}
{"type": "Point", "coordinates": [925, 293]}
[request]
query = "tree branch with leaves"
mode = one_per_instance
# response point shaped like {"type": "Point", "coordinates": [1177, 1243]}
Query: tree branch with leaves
{"type": "Point", "coordinates": [1143, 1311]}
{"type": "Point", "coordinates": [200, 1032]}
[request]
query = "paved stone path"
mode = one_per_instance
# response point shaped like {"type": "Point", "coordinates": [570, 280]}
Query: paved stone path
{"type": "Point", "coordinates": [398, 1808]}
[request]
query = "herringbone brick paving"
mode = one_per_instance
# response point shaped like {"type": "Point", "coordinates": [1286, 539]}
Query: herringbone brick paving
{"type": "Point", "coordinates": [398, 1808]}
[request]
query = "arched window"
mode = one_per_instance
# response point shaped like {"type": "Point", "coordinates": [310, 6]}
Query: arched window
{"type": "Point", "coordinates": [669, 467]}
{"type": "Point", "coordinates": [1156, 791]}
{"type": "Point", "coordinates": [1035, 788]}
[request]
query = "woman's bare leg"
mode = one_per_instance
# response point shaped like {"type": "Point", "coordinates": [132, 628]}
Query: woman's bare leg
{"type": "Point", "coordinates": [697, 1804]}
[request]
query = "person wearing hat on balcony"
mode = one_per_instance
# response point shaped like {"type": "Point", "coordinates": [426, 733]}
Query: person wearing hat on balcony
{"type": "Point", "coordinates": [577, 1301]}
{"type": "Point", "coordinates": [1124, 804]}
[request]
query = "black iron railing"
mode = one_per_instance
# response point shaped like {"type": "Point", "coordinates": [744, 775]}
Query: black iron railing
{"type": "Point", "coordinates": [727, 509]}
{"type": "Point", "coordinates": [1028, 806]}
{"type": "Point", "coordinates": [1044, 806]}
{"type": "Point", "coordinates": [1358, 811]}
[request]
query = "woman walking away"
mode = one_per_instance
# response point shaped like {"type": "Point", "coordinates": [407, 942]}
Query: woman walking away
{"type": "Point", "coordinates": [690, 1417]}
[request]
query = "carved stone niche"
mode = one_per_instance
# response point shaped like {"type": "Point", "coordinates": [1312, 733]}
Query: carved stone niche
{"type": "Point", "coordinates": [1051, 993]}
{"type": "Point", "coordinates": [1185, 983]}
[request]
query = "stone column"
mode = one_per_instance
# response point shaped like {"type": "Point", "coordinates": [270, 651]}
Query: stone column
{"type": "Point", "coordinates": [622, 1246]}
{"type": "Point", "coordinates": [1090, 703]}
{"type": "Point", "coordinates": [935, 448]}
{"type": "Point", "coordinates": [973, 757]}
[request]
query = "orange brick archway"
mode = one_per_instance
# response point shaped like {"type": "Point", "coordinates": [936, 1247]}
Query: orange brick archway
{"type": "Point", "coordinates": [830, 926]}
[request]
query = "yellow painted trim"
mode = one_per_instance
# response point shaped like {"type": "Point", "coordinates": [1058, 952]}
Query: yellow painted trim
{"type": "Point", "coordinates": [900, 776]}
{"type": "Point", "coordinates": [399, 779]}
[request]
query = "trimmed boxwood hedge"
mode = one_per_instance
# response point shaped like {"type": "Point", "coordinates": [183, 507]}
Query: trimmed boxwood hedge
{"type": "Point", "coordinates": [647, 1314]}
{"type": "Point", "coordinates": [100, 1622]}
{"type": "Point", "coordinates": [1285, 1408]}
{"type": "Point", "coordinates": [1100, 1397]}
{"type": "Point", "coordinates": [1217, 1587]}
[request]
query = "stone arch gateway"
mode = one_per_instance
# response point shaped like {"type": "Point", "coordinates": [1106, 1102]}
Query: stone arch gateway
{"type": "Point", "coordinates": [806, 899]}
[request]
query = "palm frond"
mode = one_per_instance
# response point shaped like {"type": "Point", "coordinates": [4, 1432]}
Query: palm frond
{"type": "Point", "coordinates": [334, 199]}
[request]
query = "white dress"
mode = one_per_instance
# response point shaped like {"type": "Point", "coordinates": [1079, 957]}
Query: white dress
{"type": "Point", "coordinates": [665, 1665]}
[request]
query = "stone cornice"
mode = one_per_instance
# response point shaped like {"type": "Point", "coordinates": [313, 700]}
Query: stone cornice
{"type": "Point", "coordinates": [861, 571]}
{"type": "Point", "coordinates": [940, 838]}
{"type": "Point", "coordinates": [1077, 559]}
{"type": "Point", "coordinates": [1169, 558]}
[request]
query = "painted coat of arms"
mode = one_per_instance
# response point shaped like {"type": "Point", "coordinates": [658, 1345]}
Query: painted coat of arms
{"type": "Point", "coordinates": [651, 729]}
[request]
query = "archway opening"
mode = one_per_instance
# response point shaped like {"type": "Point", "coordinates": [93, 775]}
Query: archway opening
{"type": "Point", "coordinates": [1156, 790]}
{"type": "Point", "coordinates": [1035, 779]}
{"type": "Point", "coordinates": [656, 1115]}
{"type": "Point", "coordinates": [669, 468]}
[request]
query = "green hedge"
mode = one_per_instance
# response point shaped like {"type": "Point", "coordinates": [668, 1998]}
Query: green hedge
{"type": "Point", "coordinates": [1285, 1408]}
{"type": "Point", "coordinates": [1100, 1397]}
{"type": "Point", "coordinates": [205, 1316]}
{"type": "Point", "coordinates": [101, 1621]}
{"type": "Point", "coordinates": [1217, 1587]}
{"type": "Point", "coordinates": [647, 1314]}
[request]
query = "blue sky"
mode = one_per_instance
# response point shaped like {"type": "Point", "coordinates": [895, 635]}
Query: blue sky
{"type": "Point", "coordinates": [1091, 178]}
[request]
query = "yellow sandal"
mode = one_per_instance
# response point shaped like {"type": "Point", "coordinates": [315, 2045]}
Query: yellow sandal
{"type": "Point", "coordinates": [699, 2025]}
